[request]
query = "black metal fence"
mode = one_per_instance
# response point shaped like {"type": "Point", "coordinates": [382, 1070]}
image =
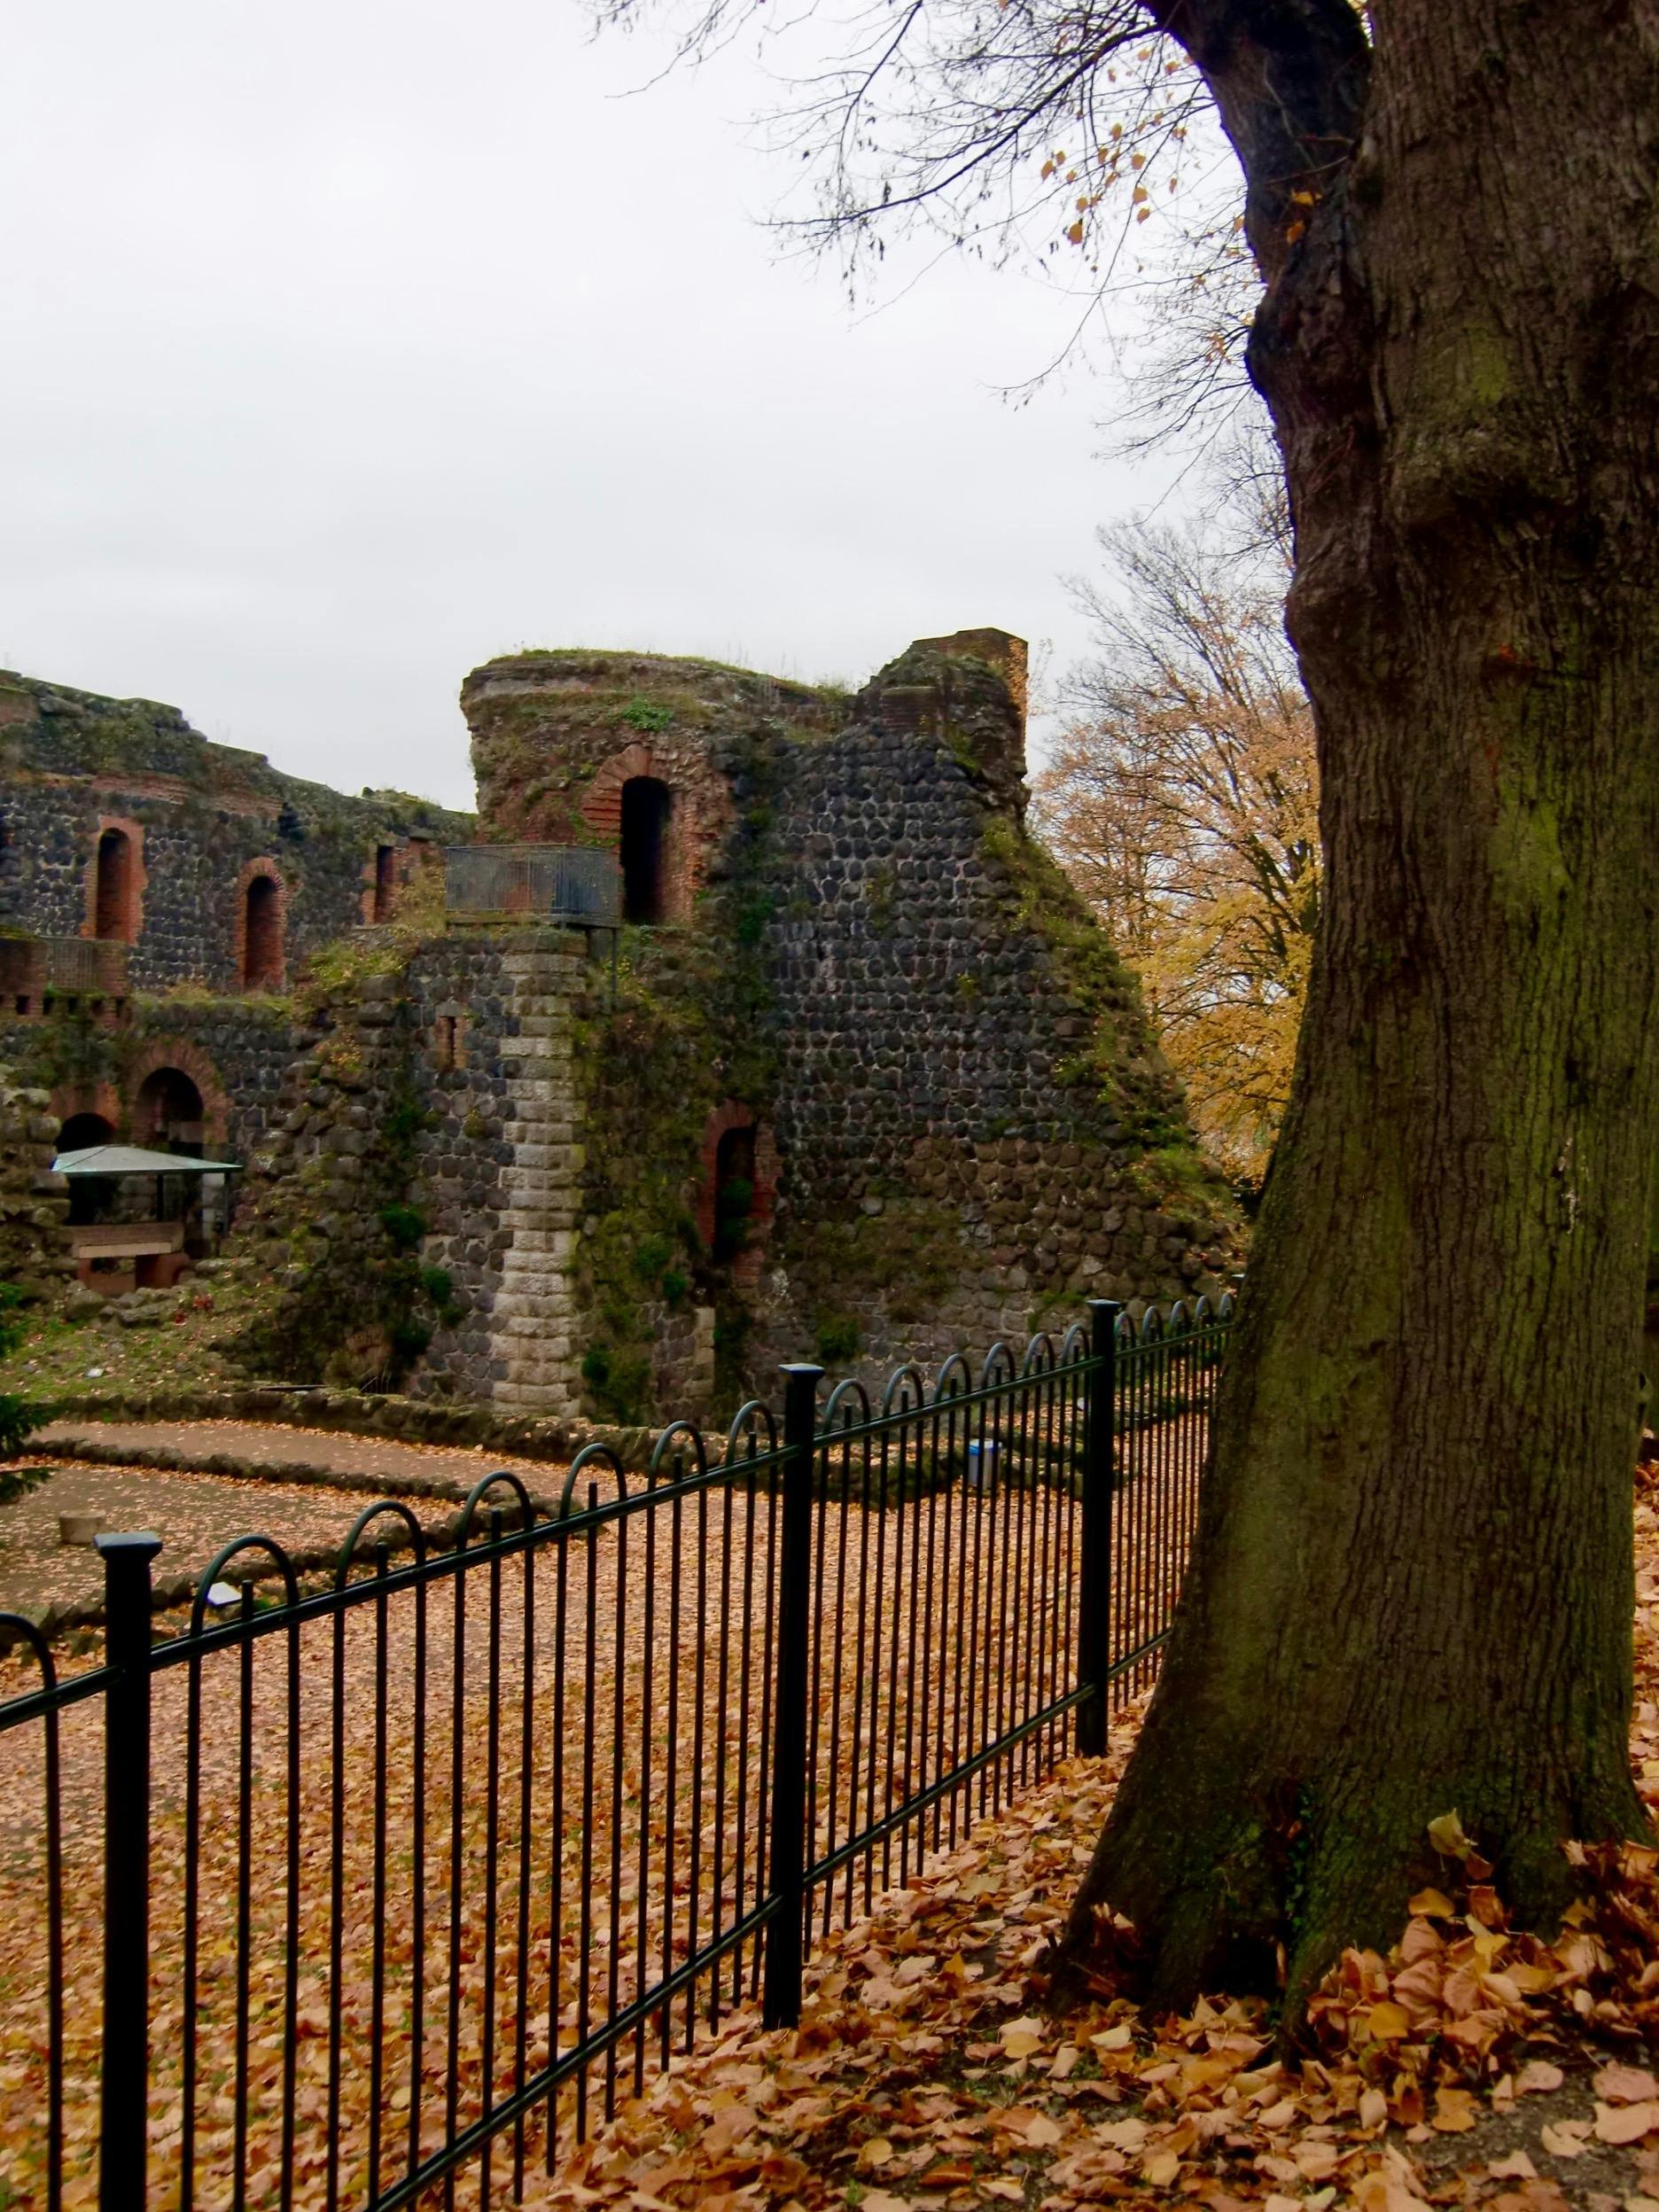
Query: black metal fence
{"type": "Point", "coordinates": [374, 1893]}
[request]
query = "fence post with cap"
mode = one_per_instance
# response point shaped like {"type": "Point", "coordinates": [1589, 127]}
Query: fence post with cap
{"type": "Point", "coordinates": [123, 2118]}
{"type": "Point", "coordinates": [785, 1946]}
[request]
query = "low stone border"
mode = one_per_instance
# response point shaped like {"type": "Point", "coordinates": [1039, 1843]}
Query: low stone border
{"type": "Point", "coordinates": [171, 1459]}
{"type": "Point", "coordinates": [354, 1412]}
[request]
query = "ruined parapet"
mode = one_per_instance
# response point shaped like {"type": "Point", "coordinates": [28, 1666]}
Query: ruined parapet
{"type": "Point", "coordinates": [968, 692]}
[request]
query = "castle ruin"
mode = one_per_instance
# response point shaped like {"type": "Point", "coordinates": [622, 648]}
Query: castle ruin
{"type": "Point", "coordinates": [744, 1023]}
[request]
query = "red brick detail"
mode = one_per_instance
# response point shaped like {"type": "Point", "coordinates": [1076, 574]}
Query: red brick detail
{"type": "Point", "coordinates": [449, 1039]}
{"type": "Point", "coordinates": [190, 1060]}
{"type": "Point", "coordinates": [685, 850]}
{"type": "Point", "coordinates": [122, 900]}
{"type": "Point", "coordinates": [260, 956]}
{"type": "Point", "coordinates": [602, 805]}
{"type": "Point", "coordinates": [382, 880]}
{"type": "Point", "coordinates": [745, 1268]}
{"type": "Point", "coordinates": [102, 1099]}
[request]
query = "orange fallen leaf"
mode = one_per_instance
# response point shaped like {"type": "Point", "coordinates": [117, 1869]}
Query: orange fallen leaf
{"type": "Point", "coordinates": [1537, 2075]}
{"type": "Point", "coordinates": [1434, 1903]}
{"type": "Point", "coordinates": [1626, 2124]}
{"type": "Point", "coordinates": [1624, 2084]}
{"type": "Point", "coordinates": [1453, 2111]}
{"type": "Point", "coordinates": [1565, 2139]}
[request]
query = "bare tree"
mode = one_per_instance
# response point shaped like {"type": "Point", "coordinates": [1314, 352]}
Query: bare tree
{"type": "Point", "coordinates": [1412, 1588]}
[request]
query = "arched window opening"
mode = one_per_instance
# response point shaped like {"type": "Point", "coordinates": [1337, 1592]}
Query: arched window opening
{"type": "Point", "coordinates": [385, 881]}
{"type": "Point", "coordinates": [90, 1196]}
{"type": "Point", "coordinates": [262, 939]}
{"type": "Point", "coordinates": [734, 1192]}
{"type": "Point", "coordinates": [81, 1130]}
{"type": "Point", "coordinates": [111, 908]}
{"type": "Point", "coordinates": [647, 803]}
{"type": "Point", "coordinates": [168, 1114]}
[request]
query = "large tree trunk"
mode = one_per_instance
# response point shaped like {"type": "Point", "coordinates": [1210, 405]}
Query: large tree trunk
{"type": "Point", "coordinates": [1412, 1587]}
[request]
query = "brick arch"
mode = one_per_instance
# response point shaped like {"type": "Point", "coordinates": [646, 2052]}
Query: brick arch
{"type": "Point", "coordinates": [190, 1060]}
{"type": "Point", "coordinates": [130, 922]}
{"type": "Point", "coordinates": [263, 868]}
{"type": "Point", "coordinates": [603, 807]}
{"type": "Point", "coordinates": [102, 1099]}
{"type": "Point", "coordinates": [745, 1268]}
{"type": "Point", "coordinates": [683, 862]}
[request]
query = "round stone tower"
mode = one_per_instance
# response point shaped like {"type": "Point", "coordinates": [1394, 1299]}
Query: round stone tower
{"type": "Point", "coordinates": [622, 750]}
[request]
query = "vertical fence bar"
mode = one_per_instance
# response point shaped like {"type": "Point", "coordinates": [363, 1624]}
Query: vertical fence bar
{"type": "Point", "coordinates": [781, 2005]}
{"type": "Point", "coordinates": [122, 2140]}
{"type": "Point", "coordinates": [1094, 1561]}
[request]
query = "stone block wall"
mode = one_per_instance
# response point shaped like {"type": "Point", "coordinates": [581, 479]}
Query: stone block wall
{"type": "Point", "coordinates": [498, 1162]}
{"type": "Point", "coordinates": [977, 1127]}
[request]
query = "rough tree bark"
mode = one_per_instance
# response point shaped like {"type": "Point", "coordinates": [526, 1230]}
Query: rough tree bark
{"type": "Point", "coordinates": [1412, 1587]}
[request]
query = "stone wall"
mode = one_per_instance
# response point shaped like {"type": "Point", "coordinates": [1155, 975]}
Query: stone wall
{"type": "Point", "coordinates": [415, 1198]}
{"type": "Point", "coordinates": [978, 1128]}
{"type": "Point", "coordinates": [201, 820]}
{"type": "Point", "coordinates": [237, 1051]}
{"type": "Point", "coordinates": [34, 1202]}
{"type": "Point", "coordinates": [965, 1125]}
{"type": "Point", "coordinates": [498, 1160]}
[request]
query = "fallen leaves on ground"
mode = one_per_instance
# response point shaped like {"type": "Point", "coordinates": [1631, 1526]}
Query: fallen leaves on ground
{"type": "Point", "coordinates": [924, 2072]}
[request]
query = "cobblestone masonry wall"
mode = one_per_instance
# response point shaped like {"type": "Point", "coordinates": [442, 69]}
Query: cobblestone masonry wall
{"type": "Point", "coordinates": [978, 1129]}
{"type": "Point", "coordinates": [34, 1202]}
{"type": "Point", "coordinates": [974, 1127]}
{"type": "Point", "coordinates": [71, 762]}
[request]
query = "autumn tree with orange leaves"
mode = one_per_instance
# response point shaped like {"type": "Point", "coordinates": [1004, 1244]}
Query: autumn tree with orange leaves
{"type": "Point", "coordinates": [1182, 798]}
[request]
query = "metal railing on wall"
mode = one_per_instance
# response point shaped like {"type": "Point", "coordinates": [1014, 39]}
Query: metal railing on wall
{"type": "Point", "coordinates": [359, 1886]}
{"type": "Point", "coordinates": [559, 883]}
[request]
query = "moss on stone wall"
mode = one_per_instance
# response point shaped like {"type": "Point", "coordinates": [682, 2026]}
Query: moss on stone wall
{"type": "Point", "coordinates": [357, 1306]}
{"type": "Point", "coordinates": [909, 1253]}
{"type": "Point", "coordinates": [1117, 1057]}
{"type": "Point", "coordinates": [689, 1029]}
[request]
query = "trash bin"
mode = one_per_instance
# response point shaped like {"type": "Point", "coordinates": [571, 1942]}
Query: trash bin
{"type": "Point", "coordinates": [982, 1459]}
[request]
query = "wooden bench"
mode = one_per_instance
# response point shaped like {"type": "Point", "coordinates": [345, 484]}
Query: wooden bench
{"type": "Point", "coordinates": [148, 1255]}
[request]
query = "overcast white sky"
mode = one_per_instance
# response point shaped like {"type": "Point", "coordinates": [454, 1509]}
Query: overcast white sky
{"type": "Point", "coordinates": [348, 345]}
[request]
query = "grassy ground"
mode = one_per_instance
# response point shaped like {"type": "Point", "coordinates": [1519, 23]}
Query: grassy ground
{"type": "Point", "coordinates": [179, 1351]}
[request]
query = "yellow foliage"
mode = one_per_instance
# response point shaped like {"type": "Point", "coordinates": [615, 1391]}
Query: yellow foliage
{"type": "Point", "coordinates": [1183, 799]}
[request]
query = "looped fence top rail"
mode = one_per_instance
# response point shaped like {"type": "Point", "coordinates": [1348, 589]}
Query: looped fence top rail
{"type": "Point", "coordinates": [429, 1860]}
